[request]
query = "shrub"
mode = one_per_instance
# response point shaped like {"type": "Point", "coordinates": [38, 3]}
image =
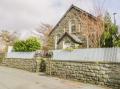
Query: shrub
{"type": "Point", "coordinates": [117, 43]}
{"type": "Point", "coordinates": [33, 44]}
{"type": "Point", "coordinates": [29, 45]}
{"type": "Point", "coordinates": [42, 65]}
{"type": "Point", "coordinates": [20, 46]}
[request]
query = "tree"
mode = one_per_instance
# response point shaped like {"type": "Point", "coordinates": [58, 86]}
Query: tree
{"type": "Point", "coordinates": [98, 7]}
{"type": "Point", "coordinates": [45, 29]}
{"type": "Point", "coordinates": [109, 35]}
{"type": "Point", "coordinates": [117, 43]}
{"type": "Point", "coordinates": [8, 37]}
{"type": "Point", "coordinates": [29, 45]}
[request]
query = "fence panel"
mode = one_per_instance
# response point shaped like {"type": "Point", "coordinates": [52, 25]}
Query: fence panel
{"type": "Point", "coordinates": [22, 55]}
{"type": "Point", "coordinates": [91, 54]}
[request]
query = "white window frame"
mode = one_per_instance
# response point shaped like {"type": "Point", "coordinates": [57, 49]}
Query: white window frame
{"type": "Point", "coordinates": [64, 30]}
{"type": "Point", "coordinates": [69, 26]}
{"type": "Point", "coordinates": [56, 38]}
{"type": "Point", "coordinates": [79, 27]}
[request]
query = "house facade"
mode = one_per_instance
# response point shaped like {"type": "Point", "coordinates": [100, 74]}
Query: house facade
{"type": "Point", "coordinates": [76, 29]}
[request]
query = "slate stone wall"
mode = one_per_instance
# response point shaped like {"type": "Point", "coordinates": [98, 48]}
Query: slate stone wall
{"type": "Point", "coordinates": [25, 64]}
{"type": "Point", "coordinates": [84, 25]}
{"type": "Point", "coordinates": [105, 74]}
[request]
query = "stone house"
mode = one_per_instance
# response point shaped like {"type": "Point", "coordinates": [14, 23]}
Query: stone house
{"type": "Point", "coordinates": [76, 29]}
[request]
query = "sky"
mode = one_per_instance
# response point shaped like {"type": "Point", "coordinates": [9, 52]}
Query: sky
{"type": "Point", "coordinates": [27, 15]}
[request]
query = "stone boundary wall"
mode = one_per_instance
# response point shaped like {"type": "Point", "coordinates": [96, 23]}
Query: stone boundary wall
{"type": "Point", "coordinates": [99, 73]}
{"type": "Point", "coordinates": [25, 64]}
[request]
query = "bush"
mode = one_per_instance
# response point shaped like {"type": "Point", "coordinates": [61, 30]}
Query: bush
{"type": "Point", "coordinates": [29, 45]}
{"type": "Point", "coordinates": [117, 43]}
{"type": "Point", "coordinates": [42, 65]}
{"type": "Point", "coordinates": [20, 46]}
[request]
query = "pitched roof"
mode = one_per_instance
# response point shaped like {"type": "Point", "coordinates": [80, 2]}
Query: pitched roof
{"type": "Point", "coordinates": [77, 8]}
{"type": "Point", "coordinates": [73, 37]}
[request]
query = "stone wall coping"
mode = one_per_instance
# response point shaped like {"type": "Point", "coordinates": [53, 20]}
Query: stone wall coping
{"type": "Point", "coordinates": [77, 61]}
{"type": "Point", "coordinates": [19, 59]}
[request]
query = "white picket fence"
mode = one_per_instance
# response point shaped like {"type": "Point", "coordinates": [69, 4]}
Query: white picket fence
{"type": "Point", "coordinates": [91, 54]}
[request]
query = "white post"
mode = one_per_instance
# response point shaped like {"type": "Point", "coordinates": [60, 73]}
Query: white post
{"type": "Point", "coordinates": [69, 26]}
{"type": "Point", "coordinates": [79, 27]}
{"type": "Point", "coordinates": [55, 42]}
{"type": "Point", "coordinates": [63, 44]}
{"type": "Point", "coordinates": [10, 48]}
{"type": "Point", "coordinates": [64, 30]}
{"type": "Point", "coordinates": [87, 42]}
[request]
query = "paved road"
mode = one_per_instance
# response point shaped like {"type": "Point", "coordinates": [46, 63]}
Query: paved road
{"type": "Point", "coordinates": [19, 79]}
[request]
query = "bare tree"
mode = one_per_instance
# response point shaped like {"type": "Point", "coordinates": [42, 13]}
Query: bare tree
{"type": "Point", "coordinates": [99, 12]}
{"type": "Point", "coordinates": [98, 7]}
{"type": "Point", "coordinates": [44, 30]}
{"type": "Point", "coordinates": [8, 37]}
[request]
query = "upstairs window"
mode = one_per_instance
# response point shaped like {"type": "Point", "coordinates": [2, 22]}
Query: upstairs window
{"type": "Point", "coordinates": [73, 28]}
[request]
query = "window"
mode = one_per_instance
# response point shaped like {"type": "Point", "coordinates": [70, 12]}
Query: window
{"type": "Point", "coordinates": [79, 27]}
{"type": "Point", "coordinates": [73, 28]}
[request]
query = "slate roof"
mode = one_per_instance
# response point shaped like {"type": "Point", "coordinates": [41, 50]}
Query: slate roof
{"type": "Point", "coordinates": [73, 37]}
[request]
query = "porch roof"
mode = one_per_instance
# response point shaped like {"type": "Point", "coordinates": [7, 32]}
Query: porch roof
{"type": "Point", "coordinates": [73, 38]}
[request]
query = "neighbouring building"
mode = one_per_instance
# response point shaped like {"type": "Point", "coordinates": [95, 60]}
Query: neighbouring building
{"type": "Point", "coordinates": [76, 29]}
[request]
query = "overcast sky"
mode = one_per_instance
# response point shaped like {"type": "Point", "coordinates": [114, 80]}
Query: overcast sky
{"type": "Point", "coordinates": [28, 14]}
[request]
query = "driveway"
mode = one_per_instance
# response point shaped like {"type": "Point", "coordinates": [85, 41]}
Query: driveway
{"type": "Point", "coordinates": [18, 79]}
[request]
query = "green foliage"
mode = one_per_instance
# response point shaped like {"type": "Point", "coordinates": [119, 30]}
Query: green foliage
{"type": "Point", "coordinates": [107, 40]}
{"type": "Point", "coordinates": [29, 45]}
{"type": "Point", "coordinates": [20, 46]}
{"type": "Point", "coordinates": [42, 65]}
{"type": "Point", "coordinates": [33, 44]}
{"type": "Point", "coordinates": [113, 29]}
{"type": "Point", "coordinates": [109, 35]}
{"type": "Point", "coordinates": [117, 43]}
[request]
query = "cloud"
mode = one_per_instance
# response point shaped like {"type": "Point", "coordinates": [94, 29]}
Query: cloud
{"type": "Point", "coordinates": [29, 14]}
{"type": "Point", "coordinates": [26, 14]}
